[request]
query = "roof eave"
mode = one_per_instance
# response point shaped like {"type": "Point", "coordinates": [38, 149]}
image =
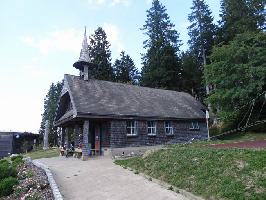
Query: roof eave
{"type": "Point", "coordinates": [115, 116]}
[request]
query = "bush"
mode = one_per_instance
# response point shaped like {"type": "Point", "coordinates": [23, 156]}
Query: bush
{"type": "Point", "coordinates": [19, 157]}
{"type": "Point", "coordinates": [16, 160]}
{"type": "Point", "coordinates": [6, 186]}
{"type": "Point", "coordinates": [7, 170]}
{"type": "Point", "coordinates": [3, 162]}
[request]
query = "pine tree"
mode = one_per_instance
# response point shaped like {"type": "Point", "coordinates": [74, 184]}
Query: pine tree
{"type": "Point", "coordinates": [161, 64]}
{"type": "Point", "coordinates": [100, 54]}
{"type": "Point", "coordinates": [192, 75]}
{"type": "Point", "coordinates": [50, 106]}
{"type": "Point", "coordinates": [240, 16]}
{"type": "Point", "coordinates": [257, 8]}
{"type": "Point", "coordinates": [125, 70]}
{"type": "Point", "coordinates": [201, 31]}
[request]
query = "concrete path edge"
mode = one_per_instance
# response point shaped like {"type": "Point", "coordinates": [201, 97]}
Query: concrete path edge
{"type": "Point", "coordinates": [54, 187]}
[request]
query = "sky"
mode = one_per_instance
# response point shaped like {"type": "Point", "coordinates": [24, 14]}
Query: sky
{"type": "Point", "coordinates": [41, 39]}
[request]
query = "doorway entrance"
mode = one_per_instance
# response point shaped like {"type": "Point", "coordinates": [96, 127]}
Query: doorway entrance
{"type": "Point", "coordinates": [95, 138]}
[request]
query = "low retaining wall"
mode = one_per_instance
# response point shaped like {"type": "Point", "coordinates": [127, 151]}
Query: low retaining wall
{"type": "Point", "coordinates": [133, 151]}
{"type": "Point", "coordinates": [54, 187]}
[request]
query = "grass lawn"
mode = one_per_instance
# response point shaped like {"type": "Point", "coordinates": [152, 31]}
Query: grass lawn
{"type": "Point", "coordinates": [42, 153]}
{"type": "Point", "coordinates": [207, 172]}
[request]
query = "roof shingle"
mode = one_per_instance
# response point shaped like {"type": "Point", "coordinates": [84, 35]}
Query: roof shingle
{"type": "Point", "coordinates": [104, 98]}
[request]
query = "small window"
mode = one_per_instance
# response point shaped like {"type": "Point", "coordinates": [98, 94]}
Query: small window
{"type": "Point", "coordinates": [194, 126]}
{"type": "Point", "coordinates": [168, 128]}
{"type": "Point", "coordinates": [131, 128]}
{"type": "Point", "coordinates": [151, 127]}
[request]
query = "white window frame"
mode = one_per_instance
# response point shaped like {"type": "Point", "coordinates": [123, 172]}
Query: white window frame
{"type": "Point", "coordinates": [152, 128]}
{"type": "Point", "coordinates": [168, 125]}
{"type": "Point", "coordinates": [194, 126]}
{"type": "Point", "coordinates": [132, 127]}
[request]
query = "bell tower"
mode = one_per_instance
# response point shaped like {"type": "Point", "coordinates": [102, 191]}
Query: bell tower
{"type": "Point", "coordinates": [84, 61]}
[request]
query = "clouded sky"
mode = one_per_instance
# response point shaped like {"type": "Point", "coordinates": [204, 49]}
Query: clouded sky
{"type": "Point", "coordinates": [41, 39]}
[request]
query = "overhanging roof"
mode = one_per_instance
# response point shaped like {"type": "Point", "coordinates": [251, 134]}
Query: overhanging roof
{"type": "Point", "coordinates": [116, 100]}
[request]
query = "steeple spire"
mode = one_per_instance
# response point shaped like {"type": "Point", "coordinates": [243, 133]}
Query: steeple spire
{"type": "Point", "coordinates": [84, 53]}
{"type": "Point", "coordinates": [84, 61]}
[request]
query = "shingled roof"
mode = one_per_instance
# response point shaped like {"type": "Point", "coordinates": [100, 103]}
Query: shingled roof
{"type": "Point", "coordinates": [109, 99]}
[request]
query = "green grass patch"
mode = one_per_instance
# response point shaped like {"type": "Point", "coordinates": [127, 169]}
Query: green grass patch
{"type": "Point", "coordinates": [208, 172]}
{"type": "Point", "coordinates": [43, 153]}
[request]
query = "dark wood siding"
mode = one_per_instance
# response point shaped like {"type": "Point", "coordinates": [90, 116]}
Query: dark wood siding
{"type": "Point", "coordinates": [181, 133]}
{"type": "Point", "coordinates": [6, 142]}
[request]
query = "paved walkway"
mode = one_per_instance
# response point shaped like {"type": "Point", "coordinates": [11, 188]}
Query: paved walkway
{"type": "Point", "coordinates": [101, 179]}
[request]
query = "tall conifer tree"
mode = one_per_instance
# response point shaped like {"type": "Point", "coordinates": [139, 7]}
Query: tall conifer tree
{"type": "Point", "coordinates": [192, 75]}
{"type": "Point", "coordinates": [125, 70]}
{"type": "Point", "coordinates": [240, 16]}
{"type": "Point", "coordinates": [50, 106]}
{"type": "Point", "coordinates": [100, 54]}
{"type": "Point", "coordinates": [161, 64]}
{"type": "Point", "coordinates": [201, 31]}
{"type": "Point", "coordinates": [257, 8]}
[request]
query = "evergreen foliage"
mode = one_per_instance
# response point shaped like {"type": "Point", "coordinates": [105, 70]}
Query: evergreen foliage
{"type": "Point", "coordinates": [192, 75]}
{"type": "Point", "coordinates": [238, 74]}
{"type": "Point", "coordinates": [240, 16]}
{"type": "Point", "coordinates": [257, 8]}
{"type": "Point", "coordinates": [6, 186]}
{"type": "Point", "coordinates": [161, 64]}
{"type": "Point", "coordinates": [201, 31]}
{"type": "Point", "coordinates": [50, 106]}
{"type": "Point", "coordinates": [100, 54]}
{"type": "Point", "coordinates": [125, 70]}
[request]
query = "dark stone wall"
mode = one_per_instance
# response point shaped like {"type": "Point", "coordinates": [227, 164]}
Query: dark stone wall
{"type": "Point", "coordinates": [181, 131]}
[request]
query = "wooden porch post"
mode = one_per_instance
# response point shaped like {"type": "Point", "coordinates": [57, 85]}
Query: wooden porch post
{"type": "Point", "coordinates": [85, 145]}
{"type": "Point", "coordinates": [66, 137]}
{"type": "Point", "coordinates": [62, 139]}
{"type": "Point", "coordinates": [76, 136]}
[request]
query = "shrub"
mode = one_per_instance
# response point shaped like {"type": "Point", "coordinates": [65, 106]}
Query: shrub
{"type": "Point", "coordinates": [16, 160]}
{"type": "Point", "coordinates": [7, 170]}
{"type": "Point", "coordinates": [6, 186]}
{"type": "Point", "coordinates": [3, 162]}
{"type": "Point", "coordinates": [18, 157]}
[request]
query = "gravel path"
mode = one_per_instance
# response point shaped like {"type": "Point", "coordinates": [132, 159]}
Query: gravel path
{"type": "Point", "coordinates": [100, 179]}
{"type": "Point", "coordinates": [244, 144]}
